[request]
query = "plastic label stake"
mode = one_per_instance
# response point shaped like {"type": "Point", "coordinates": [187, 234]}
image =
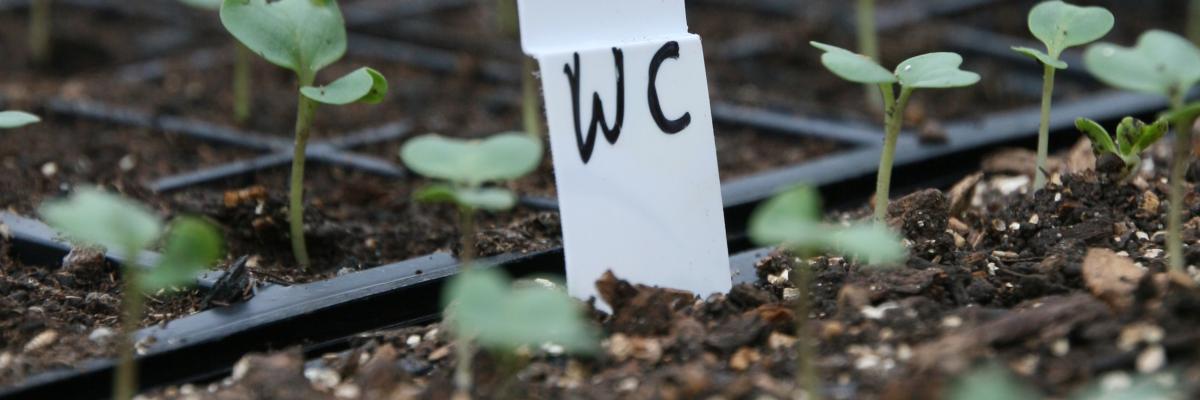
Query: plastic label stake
{"type": "Point", "coordinates": [631, 136]}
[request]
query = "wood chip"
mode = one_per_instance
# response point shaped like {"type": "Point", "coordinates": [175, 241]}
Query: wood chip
{"type": "Point", "coordinates": [961, 193]}
{"type": "Point", "coordinates": [1110, 277]}
{"type": "Point", "coordinates": [743, 358]}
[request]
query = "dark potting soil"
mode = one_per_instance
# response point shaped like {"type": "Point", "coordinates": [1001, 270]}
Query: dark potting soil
{"type": "Point", "coordinates": [1064, 289]}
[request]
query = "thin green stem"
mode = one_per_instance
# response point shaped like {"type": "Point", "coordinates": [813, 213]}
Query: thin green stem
{"type": "Point", "coordinates": [1193, 22]}
{"type": "Point", "coordinates": [464, 351]}
{"type": "Point", "coordinates": [868, 42]}
{"type": "Point", "coordinates": [883, 181]}
{"type": "Point", "coordinates": [305, 110]}
{"type": "Point", "coordinates": [241, 84]}
{"type": "Point", "coordinates": [39, 32]}
{"type": "Point", "coordinates": [1179, 163]}
{"type": "Point", "coordinates": [125, 383]}
{"type": "Point", "coordinates": [466, 254]}
{"type": "Point", "coordinates": [806, 368]}
{"type": "Point", "coordinates": [1043, 150]}
{"type": "Point", "coordinates": [531, 104]}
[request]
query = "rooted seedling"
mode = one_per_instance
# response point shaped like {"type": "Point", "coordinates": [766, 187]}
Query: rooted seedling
{"type": "Point", "coordinates": [1166, 64]}
{"type": "Point", "coordinates": [928, 71]}
{"type": "Point", "coordinates": [304, 36]}
{"type": "Point", "coordinates": [17, 119]}
{"type": "Point", "coordinates": [1059, 26]}
{"type": "Point", "coordinates": [792, 220]}
{"type": "Point", "coordinates": [464, 166]}
{"type": "Point", "coordinates": [241, 67]}
{"type": "Point", "coordinates": [1122, 156]}
{"type": "Point", "coordinates": [93, 218]}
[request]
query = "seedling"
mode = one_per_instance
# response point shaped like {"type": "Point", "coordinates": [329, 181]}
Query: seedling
{"type": "Point", "coordinates": [93, 218]}
{"type": "Point", "coordinates": [1133, 137]}
{"type": "Point", "coordinates": [486, 311]}
{"type": "Point", "coordinates": [792, 220]}
{"type": "Point", "coordinates": [1059, 26]}
{"type": "Point", "coordinates": [1166, 64]}
{"type": "Point", "coordinates": [928, 71]}
{"type": "Point", "coordinates": [464, 166]}
{"type": "Point", "coordinates": [39, 32]}
{"type": "Point", "coordinates": [17, 119]}
{"type": "Point", "coordinates": [304, 36]}
{"type": "Point", "coordinates": [241, 67]}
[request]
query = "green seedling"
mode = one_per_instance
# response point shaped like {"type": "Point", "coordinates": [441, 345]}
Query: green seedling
{"type": "Point", "coordinates": [488, 311]}
{"type": "Point", "coordinates": [1166, 64]}
{"type": "Point", "coordinates": [792, 220]}
{"type": "Point", "coordinates": [39, 32]}
{"type": "Point", "coordinates": [241, 67]}
{"type": "Point", "coordinates": [1059, 26]}
{"type": "Point", "coordinates": [190, 245]}
{"type": "Point", "coordinates": [1133, 137]}
{"type": "Point", "coordinates": [17, 119]}
{"type": "Point", "coordinates": [463, 167]}
{"type": "Point", "coordinates": [304, 36]}
{"type": "Point", "coordinates": [928, 71]}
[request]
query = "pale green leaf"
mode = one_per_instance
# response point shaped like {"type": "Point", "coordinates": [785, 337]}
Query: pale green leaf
{"type": "Point", "coordinates": [500, 157]}
{"type": "Point", "coordinates": [853, 67]}
{"type": "Point", "coordinates": [17, 119]}
{"type": "Point", "coordinates": [1101, 140]}
{"type": "Point", "coordinates": [204, 4]}
{"type": "Point", "coordinates": [94, 217]}
{"type": "Point", "coordinates": [1061, 25]}
{"type": "Point", "coordinates": [868, 241]}
{"type": "Point", "coordinates": [1150, 134]}
{"type": "Point", "coordinates": [192, 247]}
{"type": "Point", "coordinates": [364, 85]}
{"type": "Point", "coordinates": [489, 199]}
{"type": "Point", "coordinates": [1128, 131]}
{"type": "Point", "coordinates": [1041, 57]}
{"type": "Point", "coordinates": [790, 219]}
{"type": "Point", "coordinates": [934, 71]}
{"type": "Point", "coordinates": [302, 35]}
{"type": "Point", "coordinates": [501, 318]}
{"type": "Point", "coordinates": [1161, 62]}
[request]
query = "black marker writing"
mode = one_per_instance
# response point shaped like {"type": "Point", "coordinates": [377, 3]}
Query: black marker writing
{"type": "Point", "coordinates": [670, 50]}
{"type": "Point", "coordinates": [588, 144]}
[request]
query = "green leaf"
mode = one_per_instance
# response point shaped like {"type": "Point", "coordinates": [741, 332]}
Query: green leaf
{"type": "Point", "coordinates": [1041, 57]}
{"type": "Point", "coordinates": [501, 157]}
{"type": "Point", "coordinates": [17, 119]}
{"type": "Point", "coordinates": [934, 71]}
{"type": "Point", "coordinates": [1101, 141]}
{"type": "Point", "coordinates": [94, 217]}
{"type": "Point", "coordinates": [193, 246]}
{"type": "Point", "coordinates": [869, 241]}
{"type": "Point", "coordinates": [1161, 62]}
{"type": "Point", "coordinates": [302, 35]}
{"type": "Point", "coordinates": [1187, 114]}
{"type": "Point", "coordinates": [489, 199]}
{"type": "Point", "coordinates": [1150, 134]}
{"type": "Point", "coordinates": [501, 318]}
{"type": "Point", "coordinates": [1127, 132]}
{"type": "Point", "coordinates": [853, 67]}
{"type": "Point", "coordinates": [204, 4]}
{"type": "Point", "coordinates": [791, 218]}
{"type": "Point", "coordinates": [364, 85]}
{"type": "Point", "coordinates": [1061, 25]}
{"type": "Point", "coordinates": [990, 383]}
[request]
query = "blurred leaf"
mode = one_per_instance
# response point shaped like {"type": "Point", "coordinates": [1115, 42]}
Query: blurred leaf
{"type": "Point", "coordinates": [790, 218]}
{"type": "Point", "coordinates": [498, 317]}
{"type": "Point", "coordinates": [95, 217]}
{"type": "Point", "coordinates": [990, 383]}
{"type": "Point", "coordinates": [1151, 134]}
{"type": "Point", "coordinates": [1101, 141]}
{"type": "Point", "coordinates": [17, 119]}
{"type": "Point", "coordinates": [869, 241]}
{"type": "Point", "coordinates": [302, 35]}
{"type": "Point", "coordinates": [490, 199]}
{"type": "Point", "coordinates": [934, 71]}
{"type": "Point", "coordinates": [1163, 386]}
{"type": "Point", "coordinates": [1041, 57]}
{"type": "Point", "coordinates": [501, 157]}
{"type": "Point", "coordinates": [364, 85]}
{"type": "Point", "coordinates": [1161, 62]}
{"type": "Point", "coordinates": [193, 246]}
{"type": "Point", "coordinates": [1061, 25]}
{"type": "Point", "coordinates": [852, 66]}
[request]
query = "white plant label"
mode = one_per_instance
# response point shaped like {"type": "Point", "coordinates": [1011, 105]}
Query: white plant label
{"type": "Point", "coordinates": [631, 137]}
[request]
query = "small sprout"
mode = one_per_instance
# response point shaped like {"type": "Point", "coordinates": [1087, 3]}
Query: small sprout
{"type": "Point", "coordinates": [17, 119]}
{"type": "Point", "coordinates": [1133, 137]}
{"type": "Point", "coordinates": [792, 220]}
{"type": "Point", "coordinates": [241, 67]}
{"type": "Point", "coordinates": [304, 36]}
{"type": "Point", "coordinates": [928, 71]}
{"type": "Point", "coordinates": [1059, 26]}
{"type": "Point", "coordinates": [94, 218]}
{"type": "Point", "coordinates": [501, 318]}
{"type": "Point", "coordinates": [1162, 63]}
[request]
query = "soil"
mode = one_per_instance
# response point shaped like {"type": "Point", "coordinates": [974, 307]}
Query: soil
{"type": "Point", "coordinates": [1065, 289]}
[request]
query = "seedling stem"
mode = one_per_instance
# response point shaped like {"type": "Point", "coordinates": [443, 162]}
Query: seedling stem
{"type": "Point", "coordinates": [132, 304]}
{"type": "Point", "coordinates": [241, 84]}
{"type": "Point", "coordinates": [1193, 22]}
{"type": "Point", "coordinates": [1179, 162]}
{"type": "Point", "coordinates": [806, 368]}
{"type": "Point", "coordinates": [894, 110]}
{"type": "Point", "coordinates": [1039, 180]}
{"type": "Point", "coordinates": [39, 31]}
{"type": "Point", "coordinates": [304, 116]}
{"type": "Point", "coordinates": [868, 42]}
